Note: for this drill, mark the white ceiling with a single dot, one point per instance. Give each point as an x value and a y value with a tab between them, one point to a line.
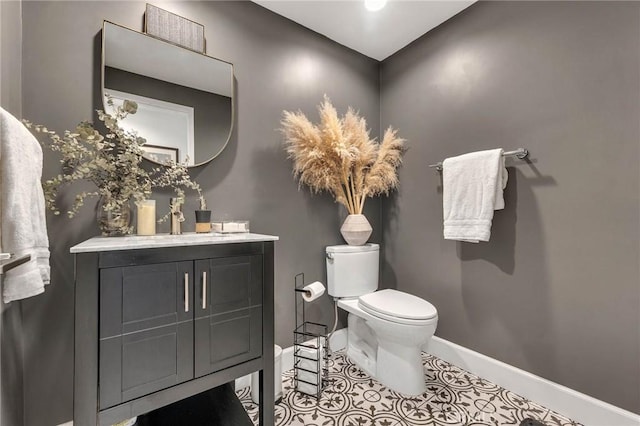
374	34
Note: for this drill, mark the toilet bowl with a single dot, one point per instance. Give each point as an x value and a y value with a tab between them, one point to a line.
386	328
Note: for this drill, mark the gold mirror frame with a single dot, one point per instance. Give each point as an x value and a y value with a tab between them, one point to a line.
175	57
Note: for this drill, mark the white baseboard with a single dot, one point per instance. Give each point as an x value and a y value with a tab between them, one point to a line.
578	406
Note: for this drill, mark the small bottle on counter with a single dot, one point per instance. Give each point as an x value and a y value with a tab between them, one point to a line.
177	217
203	221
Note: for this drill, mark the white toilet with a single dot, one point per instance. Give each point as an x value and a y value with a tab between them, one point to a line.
387	328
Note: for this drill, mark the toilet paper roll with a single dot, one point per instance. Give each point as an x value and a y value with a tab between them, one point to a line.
307	388
312	291
309	377
308	357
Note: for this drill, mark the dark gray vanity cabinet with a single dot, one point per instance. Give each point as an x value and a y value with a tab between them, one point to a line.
146	329
228	312
154	325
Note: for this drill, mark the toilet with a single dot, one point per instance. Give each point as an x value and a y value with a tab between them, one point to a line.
386	328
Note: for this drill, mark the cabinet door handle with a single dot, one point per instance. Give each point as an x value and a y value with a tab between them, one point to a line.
186	292
204	289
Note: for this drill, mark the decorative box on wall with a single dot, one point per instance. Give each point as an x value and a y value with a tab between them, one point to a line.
174	28
162	318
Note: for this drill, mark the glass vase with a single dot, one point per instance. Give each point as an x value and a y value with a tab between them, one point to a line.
113	222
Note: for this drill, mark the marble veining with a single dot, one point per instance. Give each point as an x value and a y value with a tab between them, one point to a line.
136	242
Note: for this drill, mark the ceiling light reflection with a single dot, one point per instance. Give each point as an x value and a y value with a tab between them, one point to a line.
374	5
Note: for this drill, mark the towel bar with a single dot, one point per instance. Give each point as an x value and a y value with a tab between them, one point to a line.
520	153
9	264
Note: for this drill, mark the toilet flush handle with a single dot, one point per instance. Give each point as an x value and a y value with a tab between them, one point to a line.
329	255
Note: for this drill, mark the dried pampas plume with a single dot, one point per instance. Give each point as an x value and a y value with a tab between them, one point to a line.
338	155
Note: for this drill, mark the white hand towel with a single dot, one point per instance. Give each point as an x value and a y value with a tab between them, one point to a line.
22	210
472	188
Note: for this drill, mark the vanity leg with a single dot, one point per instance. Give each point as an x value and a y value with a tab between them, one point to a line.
85	378
266	377
266	398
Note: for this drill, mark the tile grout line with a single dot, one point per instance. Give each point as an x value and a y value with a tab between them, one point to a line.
517	410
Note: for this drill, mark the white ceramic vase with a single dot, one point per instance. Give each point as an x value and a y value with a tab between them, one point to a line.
356	229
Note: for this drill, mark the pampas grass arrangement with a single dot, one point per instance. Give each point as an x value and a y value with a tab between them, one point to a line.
338	156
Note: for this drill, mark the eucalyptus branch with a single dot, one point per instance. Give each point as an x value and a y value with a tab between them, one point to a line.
112	162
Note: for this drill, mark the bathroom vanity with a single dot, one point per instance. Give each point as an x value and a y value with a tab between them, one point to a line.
165	317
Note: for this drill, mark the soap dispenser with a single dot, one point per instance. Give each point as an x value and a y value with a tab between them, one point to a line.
177	217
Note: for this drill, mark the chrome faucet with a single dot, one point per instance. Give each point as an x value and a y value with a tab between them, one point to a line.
177	217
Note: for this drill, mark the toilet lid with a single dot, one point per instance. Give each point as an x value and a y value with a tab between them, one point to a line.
397	304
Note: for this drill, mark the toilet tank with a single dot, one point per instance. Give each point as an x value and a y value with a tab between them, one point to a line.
352	270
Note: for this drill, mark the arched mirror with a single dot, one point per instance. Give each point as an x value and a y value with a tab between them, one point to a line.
185	98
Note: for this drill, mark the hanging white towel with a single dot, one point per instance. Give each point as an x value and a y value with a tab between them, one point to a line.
22	210
472	188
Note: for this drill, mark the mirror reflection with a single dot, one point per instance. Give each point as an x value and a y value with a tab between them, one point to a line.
185	98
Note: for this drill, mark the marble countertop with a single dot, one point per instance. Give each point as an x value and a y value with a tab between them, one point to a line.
135	242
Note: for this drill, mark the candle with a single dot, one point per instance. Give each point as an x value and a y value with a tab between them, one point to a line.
147	217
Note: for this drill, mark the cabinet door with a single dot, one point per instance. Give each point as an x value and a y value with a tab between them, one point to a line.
146	329
228	324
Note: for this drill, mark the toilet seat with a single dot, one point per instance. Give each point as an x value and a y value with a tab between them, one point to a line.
399	307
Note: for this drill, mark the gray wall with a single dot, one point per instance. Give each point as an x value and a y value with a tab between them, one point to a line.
278	65
11	389
10	66
555	291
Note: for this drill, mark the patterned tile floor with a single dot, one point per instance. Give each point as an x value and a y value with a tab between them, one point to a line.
453	397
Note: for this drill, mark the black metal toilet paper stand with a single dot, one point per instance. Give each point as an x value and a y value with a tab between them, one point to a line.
310	350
